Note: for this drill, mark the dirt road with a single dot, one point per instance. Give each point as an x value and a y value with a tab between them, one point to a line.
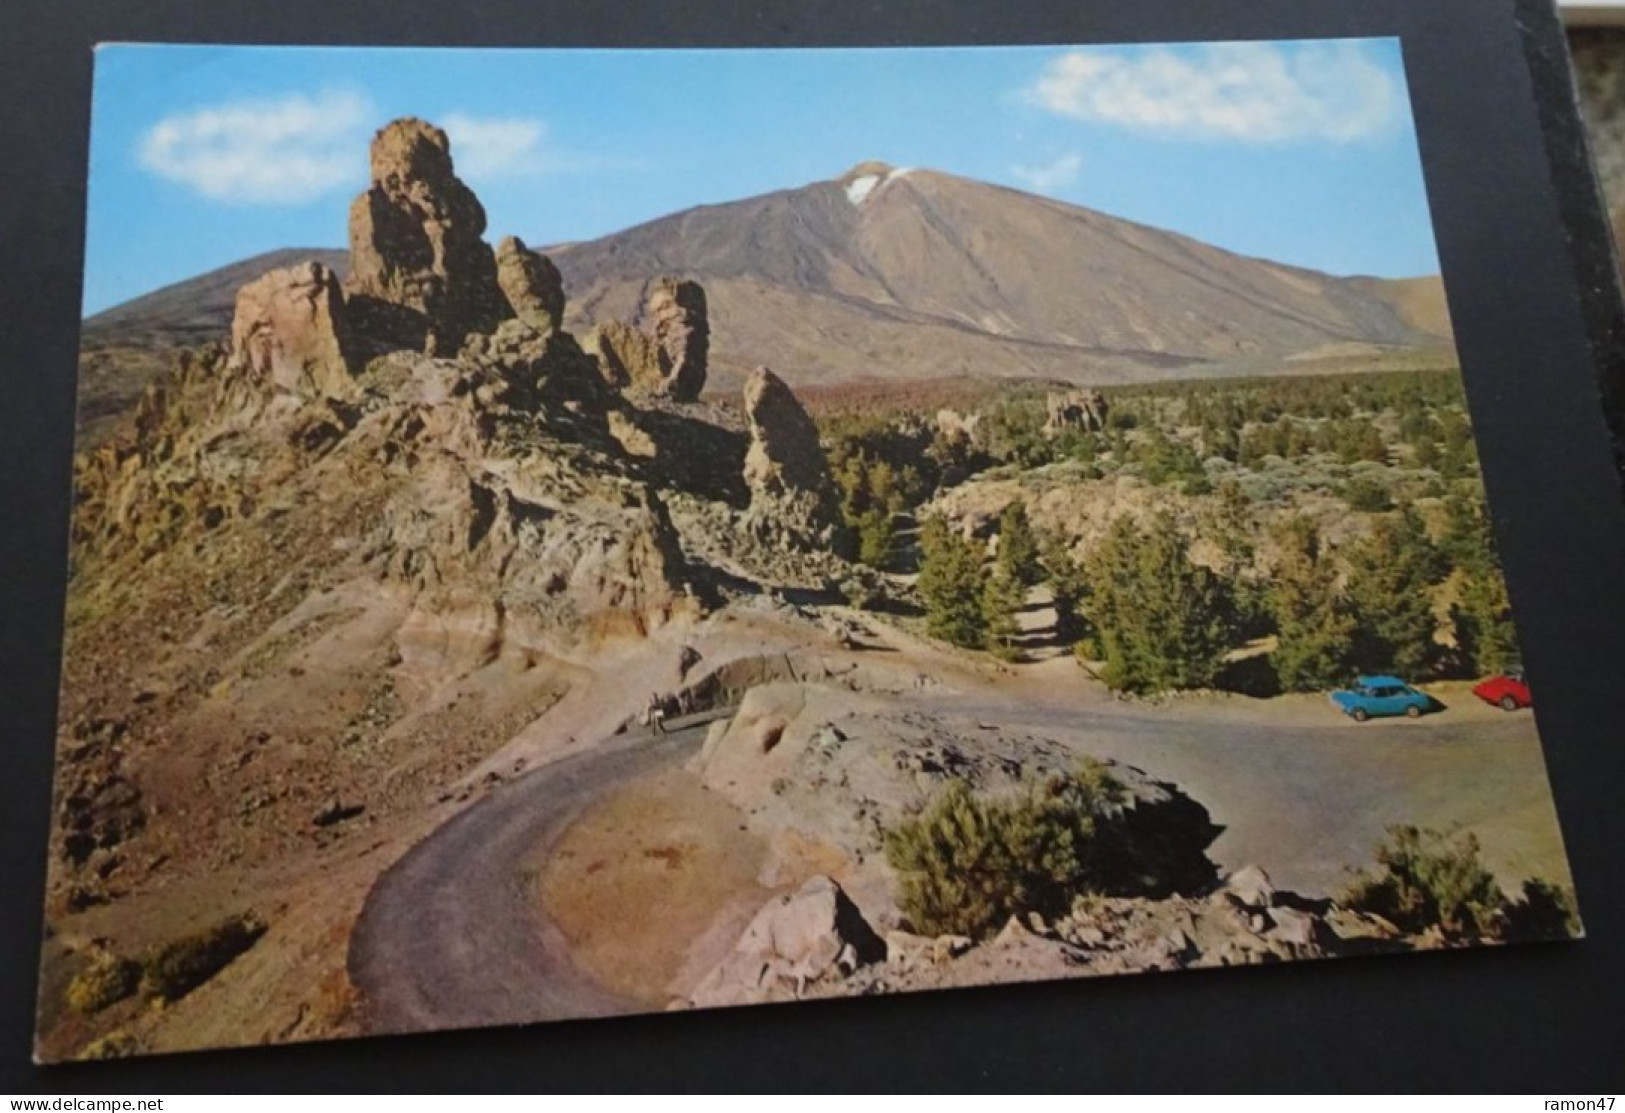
451	935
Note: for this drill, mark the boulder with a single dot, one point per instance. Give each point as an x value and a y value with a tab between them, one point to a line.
1249	887
682	335
290	330
531	283
792	495
813	935
416	243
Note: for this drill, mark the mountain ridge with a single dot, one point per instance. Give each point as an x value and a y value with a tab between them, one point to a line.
916	274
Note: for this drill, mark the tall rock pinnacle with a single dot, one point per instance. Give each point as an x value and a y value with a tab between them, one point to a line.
417	257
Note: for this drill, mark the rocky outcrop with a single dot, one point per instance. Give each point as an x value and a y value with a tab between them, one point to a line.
531	283
1083	410
291	331
799	941
792	497
682	334
419	267
543	370
627	359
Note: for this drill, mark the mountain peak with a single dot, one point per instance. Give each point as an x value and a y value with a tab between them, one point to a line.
867	176
868	168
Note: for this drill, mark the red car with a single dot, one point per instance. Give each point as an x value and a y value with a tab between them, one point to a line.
1509	691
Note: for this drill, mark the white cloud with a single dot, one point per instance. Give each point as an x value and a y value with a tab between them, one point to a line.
486	148
1246	92
294	149
282	151
1051	176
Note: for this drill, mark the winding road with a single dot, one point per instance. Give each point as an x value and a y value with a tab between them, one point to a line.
452	936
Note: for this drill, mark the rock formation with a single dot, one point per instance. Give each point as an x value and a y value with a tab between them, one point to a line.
531	283
797	940
291	330
792	496
627	359
418	265
1084	410
548	366
682	334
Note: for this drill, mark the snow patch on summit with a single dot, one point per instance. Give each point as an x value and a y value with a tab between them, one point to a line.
860	187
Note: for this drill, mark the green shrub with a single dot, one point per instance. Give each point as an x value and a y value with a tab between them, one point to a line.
1546	911
180	966
1367	495
115	1045
1425	880
968	863
107	979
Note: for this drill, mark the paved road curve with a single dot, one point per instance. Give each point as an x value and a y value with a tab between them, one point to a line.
451	936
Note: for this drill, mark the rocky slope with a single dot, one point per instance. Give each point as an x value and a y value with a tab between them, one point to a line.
332	562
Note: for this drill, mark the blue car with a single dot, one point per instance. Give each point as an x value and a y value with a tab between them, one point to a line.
1371	696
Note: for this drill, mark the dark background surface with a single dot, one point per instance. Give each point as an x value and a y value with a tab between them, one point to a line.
1535	304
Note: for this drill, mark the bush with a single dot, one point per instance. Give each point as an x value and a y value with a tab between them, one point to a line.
1429	880
1546	911
1367	495
182	965
107	979
967	864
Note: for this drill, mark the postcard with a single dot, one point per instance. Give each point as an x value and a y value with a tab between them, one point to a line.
566	533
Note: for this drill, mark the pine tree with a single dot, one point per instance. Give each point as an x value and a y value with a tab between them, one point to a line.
1483	620
1392	574
876	538
1067	589
1003	595
1164	622
951	584
1482	615
1315	626
1018	547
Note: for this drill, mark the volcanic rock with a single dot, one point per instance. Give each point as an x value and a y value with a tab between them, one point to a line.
682	336
290	330
791	493
813	935
531	283
627	359
415	242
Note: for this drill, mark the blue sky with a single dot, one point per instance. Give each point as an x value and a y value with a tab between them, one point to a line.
1304	152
